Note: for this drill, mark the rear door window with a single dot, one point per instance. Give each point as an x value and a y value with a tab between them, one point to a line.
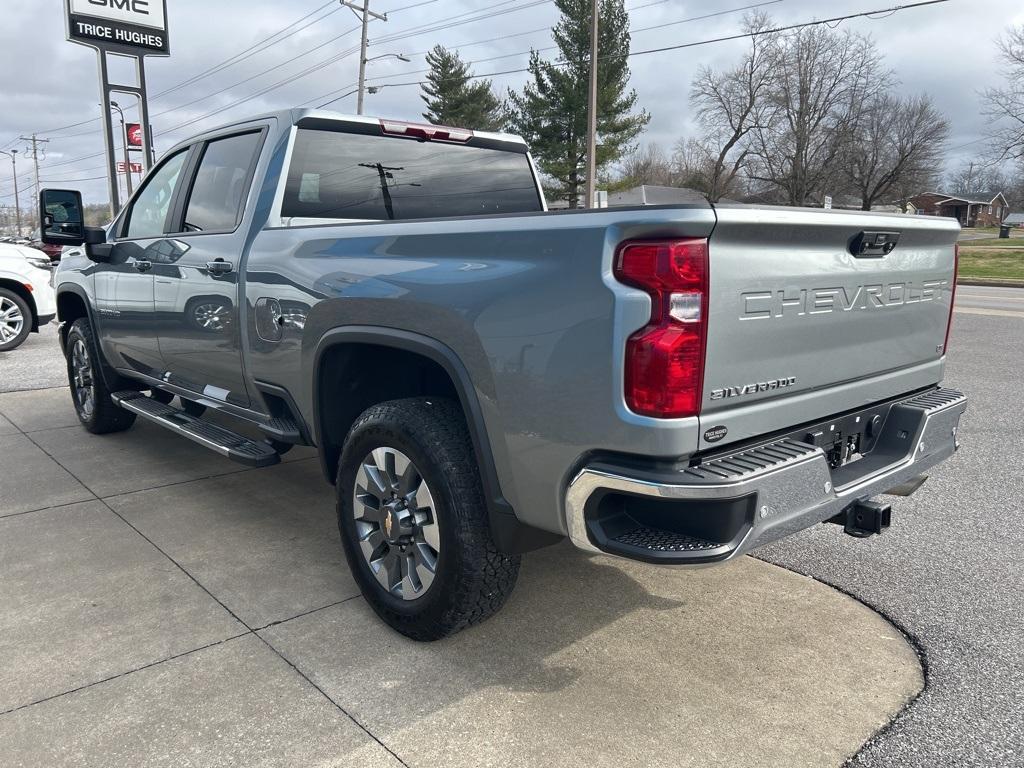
218	193
337	175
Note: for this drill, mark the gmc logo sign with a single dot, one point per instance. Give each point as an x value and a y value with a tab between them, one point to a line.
142	13
133	6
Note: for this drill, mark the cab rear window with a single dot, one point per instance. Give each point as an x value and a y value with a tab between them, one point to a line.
337	175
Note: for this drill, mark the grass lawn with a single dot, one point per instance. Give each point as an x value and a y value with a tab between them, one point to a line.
980	231
992	263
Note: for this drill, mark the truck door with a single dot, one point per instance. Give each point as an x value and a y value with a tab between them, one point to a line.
197	294
124	284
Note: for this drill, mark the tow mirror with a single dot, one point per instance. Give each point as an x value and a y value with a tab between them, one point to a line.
62	218
63	223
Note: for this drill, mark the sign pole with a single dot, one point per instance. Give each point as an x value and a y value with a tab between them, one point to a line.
108	137
148	154
132	30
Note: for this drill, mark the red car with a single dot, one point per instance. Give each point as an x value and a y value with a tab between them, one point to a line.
53	251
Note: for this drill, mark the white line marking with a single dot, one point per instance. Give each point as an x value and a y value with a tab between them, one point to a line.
990	297
992	312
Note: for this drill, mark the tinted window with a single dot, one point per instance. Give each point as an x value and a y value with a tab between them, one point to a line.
149	211
337	175
217	195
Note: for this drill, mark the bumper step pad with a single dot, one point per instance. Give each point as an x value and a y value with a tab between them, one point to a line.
664	541
234	446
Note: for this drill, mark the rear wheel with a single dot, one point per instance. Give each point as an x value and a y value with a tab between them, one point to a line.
414	523
15	320
93	404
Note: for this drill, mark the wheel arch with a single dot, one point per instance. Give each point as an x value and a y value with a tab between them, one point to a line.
336	347
73	304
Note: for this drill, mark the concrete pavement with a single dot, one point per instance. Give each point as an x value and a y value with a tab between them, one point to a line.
162	606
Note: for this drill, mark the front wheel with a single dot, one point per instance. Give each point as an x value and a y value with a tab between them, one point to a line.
414	523
96	410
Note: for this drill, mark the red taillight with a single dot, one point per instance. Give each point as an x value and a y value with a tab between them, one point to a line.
952	296
665	358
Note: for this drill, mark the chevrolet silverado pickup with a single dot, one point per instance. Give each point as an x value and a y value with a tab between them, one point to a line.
482	377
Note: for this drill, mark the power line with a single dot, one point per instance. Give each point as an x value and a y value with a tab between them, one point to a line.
631	32
738	36
518	70
261	92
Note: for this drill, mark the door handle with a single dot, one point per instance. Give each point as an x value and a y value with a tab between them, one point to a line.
143	266
219	267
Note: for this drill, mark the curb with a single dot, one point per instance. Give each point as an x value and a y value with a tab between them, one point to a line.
993	282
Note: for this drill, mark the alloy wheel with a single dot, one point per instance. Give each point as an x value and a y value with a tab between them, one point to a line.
82	378
12	321
396	523
211	316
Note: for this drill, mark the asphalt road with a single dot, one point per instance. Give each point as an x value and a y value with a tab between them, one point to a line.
950	571
986	300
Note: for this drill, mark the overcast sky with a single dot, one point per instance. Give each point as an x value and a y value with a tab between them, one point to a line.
944	50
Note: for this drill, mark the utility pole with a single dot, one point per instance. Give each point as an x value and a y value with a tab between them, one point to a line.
385	173
14	172
36	141
592	112
362	11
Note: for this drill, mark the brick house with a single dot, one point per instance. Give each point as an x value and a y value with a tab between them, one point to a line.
975	209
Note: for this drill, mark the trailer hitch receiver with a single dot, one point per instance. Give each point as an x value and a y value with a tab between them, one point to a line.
864	518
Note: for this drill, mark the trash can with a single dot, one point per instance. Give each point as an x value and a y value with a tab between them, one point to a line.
1004	231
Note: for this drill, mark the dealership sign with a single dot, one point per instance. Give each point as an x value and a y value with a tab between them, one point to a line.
136	27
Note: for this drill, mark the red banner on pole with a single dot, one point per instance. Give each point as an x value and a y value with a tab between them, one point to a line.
133	133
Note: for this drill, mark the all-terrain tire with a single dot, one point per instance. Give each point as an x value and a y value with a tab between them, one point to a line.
89	393
473	578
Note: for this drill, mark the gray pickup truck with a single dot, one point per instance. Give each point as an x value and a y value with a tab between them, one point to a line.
481	377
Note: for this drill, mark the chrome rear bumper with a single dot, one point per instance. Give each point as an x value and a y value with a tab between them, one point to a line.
784	485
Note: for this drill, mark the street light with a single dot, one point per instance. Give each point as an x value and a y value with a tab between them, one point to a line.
370	89
124	139
14	171
399	56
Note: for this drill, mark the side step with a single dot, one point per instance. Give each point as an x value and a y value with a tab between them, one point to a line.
252	453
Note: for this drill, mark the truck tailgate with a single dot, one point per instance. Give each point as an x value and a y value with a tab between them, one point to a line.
799	327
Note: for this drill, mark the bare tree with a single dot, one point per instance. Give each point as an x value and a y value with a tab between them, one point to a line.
730	105
976	177
820	84
1005	106
646	165
894	147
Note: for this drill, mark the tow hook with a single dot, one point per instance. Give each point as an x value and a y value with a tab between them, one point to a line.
864	518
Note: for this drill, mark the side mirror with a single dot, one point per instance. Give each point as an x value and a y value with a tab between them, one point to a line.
63	223
62	220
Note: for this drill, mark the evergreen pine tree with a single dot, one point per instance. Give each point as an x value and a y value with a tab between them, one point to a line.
551	111
452	98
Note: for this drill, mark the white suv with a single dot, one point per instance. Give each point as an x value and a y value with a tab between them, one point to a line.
27	301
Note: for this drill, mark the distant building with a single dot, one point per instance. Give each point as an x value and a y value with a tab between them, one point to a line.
1015	220
975	209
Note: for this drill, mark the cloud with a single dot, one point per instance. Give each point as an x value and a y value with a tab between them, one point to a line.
51	83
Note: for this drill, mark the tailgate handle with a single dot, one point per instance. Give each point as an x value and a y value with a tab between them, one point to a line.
873	245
